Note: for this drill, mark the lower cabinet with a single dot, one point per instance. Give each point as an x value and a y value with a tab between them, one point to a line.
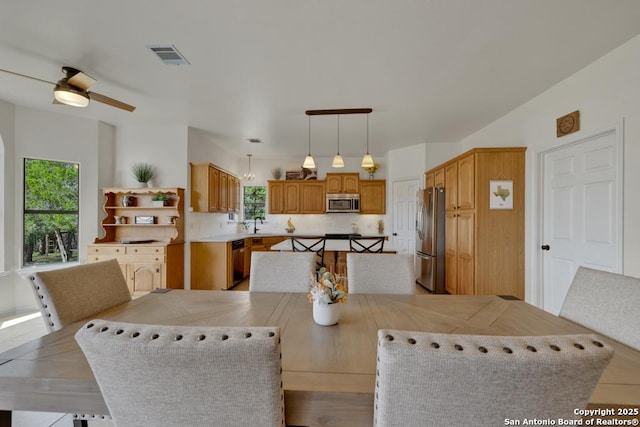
145	266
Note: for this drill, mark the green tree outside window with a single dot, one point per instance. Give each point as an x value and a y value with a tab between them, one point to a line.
51	211
254	202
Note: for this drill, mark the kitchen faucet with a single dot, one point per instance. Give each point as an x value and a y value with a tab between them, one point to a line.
255	224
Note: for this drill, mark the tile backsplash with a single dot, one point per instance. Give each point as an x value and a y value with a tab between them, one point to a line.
202	225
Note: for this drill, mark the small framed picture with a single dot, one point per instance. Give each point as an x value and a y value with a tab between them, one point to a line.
145	220
500	194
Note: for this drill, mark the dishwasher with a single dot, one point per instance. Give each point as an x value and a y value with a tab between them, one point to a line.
237	254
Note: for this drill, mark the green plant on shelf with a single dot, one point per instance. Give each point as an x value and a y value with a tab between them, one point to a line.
160	197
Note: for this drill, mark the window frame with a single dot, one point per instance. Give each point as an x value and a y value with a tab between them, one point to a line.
25	212
244	204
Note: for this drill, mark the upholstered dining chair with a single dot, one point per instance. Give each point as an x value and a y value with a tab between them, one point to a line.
606	303
366	244
380	273
152	375
314	244
429	379
68	295
281	271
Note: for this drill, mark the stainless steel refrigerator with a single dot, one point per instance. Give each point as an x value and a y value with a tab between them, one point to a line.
430	218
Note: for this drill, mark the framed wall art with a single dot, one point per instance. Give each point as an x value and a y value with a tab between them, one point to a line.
500	194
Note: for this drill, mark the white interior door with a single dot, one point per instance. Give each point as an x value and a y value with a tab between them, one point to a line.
404	204
581	212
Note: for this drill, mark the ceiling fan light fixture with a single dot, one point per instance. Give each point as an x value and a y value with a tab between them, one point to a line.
65	94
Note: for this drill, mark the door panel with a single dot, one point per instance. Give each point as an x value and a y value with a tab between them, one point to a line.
404	215
581	213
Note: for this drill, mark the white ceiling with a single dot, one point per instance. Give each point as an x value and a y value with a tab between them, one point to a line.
432	70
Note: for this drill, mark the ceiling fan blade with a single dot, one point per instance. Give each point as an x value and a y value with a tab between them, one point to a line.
24	75
110	101
81	80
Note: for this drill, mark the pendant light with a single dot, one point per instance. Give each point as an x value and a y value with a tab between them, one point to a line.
308	161
248	176
337	159
367	160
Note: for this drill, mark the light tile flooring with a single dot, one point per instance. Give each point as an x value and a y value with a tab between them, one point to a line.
22	328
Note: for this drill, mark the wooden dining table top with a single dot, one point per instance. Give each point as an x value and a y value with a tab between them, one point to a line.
328	371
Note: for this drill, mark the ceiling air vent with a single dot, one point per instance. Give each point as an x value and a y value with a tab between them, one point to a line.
168	54
255	140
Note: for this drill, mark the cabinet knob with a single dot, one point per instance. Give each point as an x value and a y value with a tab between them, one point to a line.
135	250
117	250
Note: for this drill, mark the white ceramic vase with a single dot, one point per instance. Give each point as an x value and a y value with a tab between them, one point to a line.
326	314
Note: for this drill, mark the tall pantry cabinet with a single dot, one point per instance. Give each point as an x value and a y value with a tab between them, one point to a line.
484	244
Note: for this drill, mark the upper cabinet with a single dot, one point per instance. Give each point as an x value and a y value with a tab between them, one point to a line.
373	196
343	183
213	189
296	197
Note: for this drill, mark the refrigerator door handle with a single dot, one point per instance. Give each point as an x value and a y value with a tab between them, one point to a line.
419	221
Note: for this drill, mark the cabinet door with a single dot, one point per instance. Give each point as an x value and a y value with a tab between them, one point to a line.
451	252
429	180
232	193
223	204
214	189
312	198
438	178
466	178
291	197
372	196
276	197
334	183
451	184
144	277
466	253
351	183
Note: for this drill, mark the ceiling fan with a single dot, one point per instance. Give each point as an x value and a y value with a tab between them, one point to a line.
73	89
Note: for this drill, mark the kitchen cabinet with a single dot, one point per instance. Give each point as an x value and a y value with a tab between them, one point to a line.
213	189
264	243
312	197
435	178
211	265
373	196
296	197
343	182
484	248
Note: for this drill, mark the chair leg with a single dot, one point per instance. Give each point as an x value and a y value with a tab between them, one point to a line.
80	423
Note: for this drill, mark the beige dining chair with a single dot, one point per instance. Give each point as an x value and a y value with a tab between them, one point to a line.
380	273
429	379
158	375
606	303
281	271
67	295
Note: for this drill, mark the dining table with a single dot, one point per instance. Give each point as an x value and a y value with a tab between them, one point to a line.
328	371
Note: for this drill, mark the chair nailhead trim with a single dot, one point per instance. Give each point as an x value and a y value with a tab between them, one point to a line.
554	347
531	349
578	346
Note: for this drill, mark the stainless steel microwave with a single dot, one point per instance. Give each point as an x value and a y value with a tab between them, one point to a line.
343	203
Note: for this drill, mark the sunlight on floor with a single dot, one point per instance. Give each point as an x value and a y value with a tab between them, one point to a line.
18	320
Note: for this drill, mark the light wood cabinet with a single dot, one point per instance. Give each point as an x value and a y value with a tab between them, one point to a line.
438	178
154	255
312	197
429	179
373	196
296	197
213	189
343	182
484	248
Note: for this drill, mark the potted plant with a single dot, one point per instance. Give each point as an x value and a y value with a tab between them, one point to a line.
143	172
159	199
325	294
276	173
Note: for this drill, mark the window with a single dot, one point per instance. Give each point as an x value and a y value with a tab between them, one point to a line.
254	202
51	205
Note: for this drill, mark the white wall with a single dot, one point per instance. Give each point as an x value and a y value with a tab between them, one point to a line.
605	92
7	264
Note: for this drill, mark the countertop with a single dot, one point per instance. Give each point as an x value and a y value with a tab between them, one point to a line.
223	238
339	245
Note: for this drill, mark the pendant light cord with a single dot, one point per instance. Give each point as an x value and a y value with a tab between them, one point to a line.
338	133
367	133
309	136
